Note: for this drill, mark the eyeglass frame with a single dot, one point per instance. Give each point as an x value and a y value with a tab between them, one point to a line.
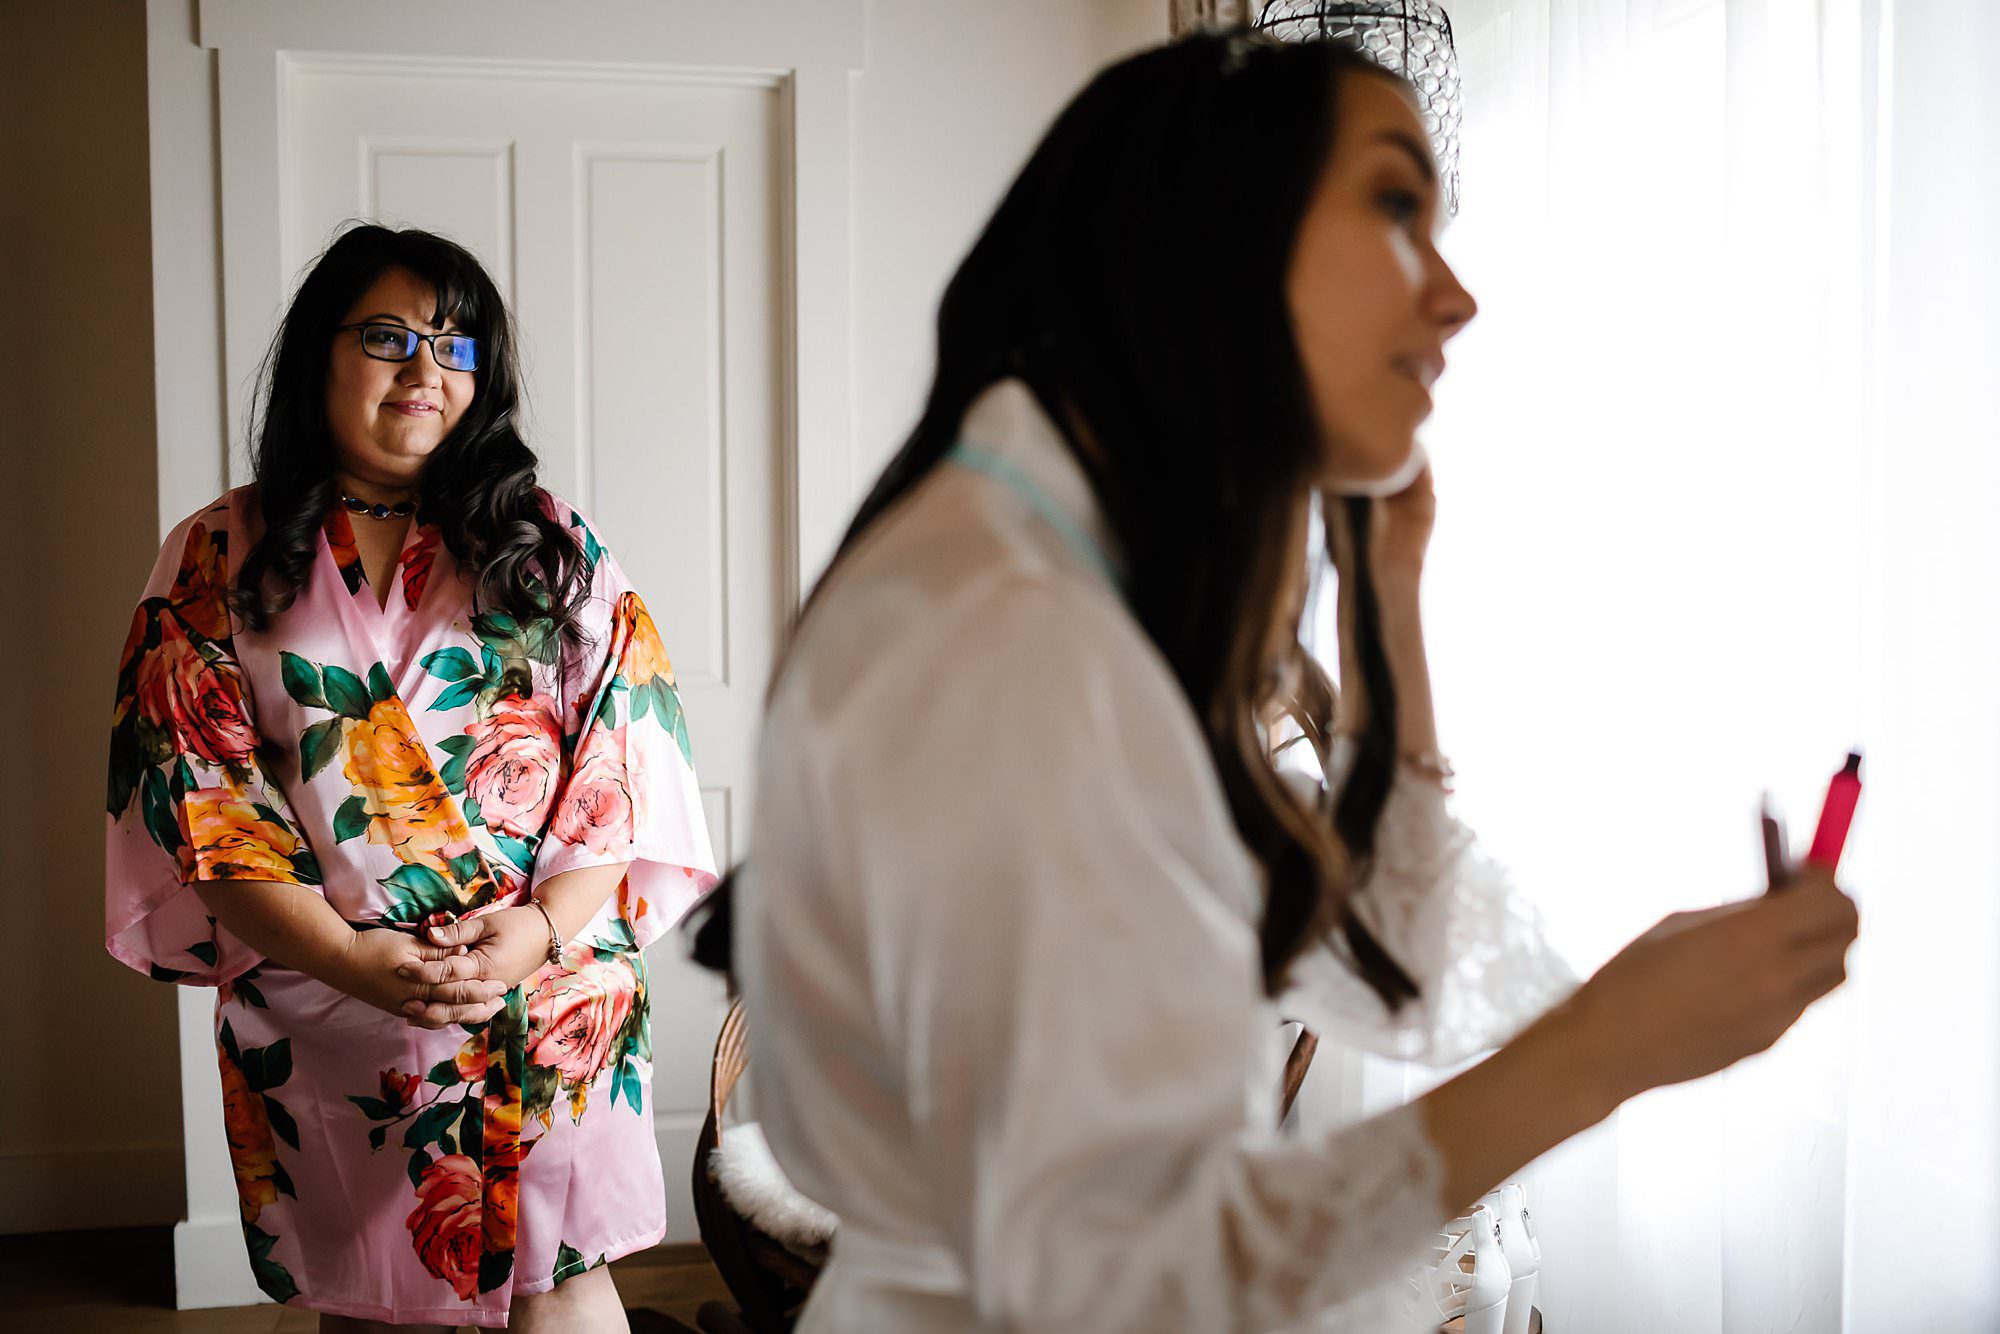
421	338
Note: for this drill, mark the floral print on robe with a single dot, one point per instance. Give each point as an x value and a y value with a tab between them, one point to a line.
411	761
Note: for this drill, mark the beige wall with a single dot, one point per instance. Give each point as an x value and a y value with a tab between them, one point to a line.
954	95
90	1127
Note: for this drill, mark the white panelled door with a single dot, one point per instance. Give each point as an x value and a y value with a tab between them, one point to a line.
632	225
660	189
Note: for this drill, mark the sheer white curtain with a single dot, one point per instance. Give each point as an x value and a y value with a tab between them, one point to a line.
1719	497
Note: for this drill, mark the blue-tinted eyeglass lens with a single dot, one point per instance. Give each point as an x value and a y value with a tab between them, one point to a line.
457	352
388	342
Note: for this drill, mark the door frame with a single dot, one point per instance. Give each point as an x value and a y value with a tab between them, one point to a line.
218	72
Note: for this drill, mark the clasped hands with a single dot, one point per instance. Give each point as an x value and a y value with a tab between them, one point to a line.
452	973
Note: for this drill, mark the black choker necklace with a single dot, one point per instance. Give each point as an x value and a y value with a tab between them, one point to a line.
401	510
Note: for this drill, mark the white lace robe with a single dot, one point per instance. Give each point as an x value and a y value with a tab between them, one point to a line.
998	946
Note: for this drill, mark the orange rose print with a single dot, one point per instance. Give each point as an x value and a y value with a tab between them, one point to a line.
645	656
445	1225
198	702
201	589
252	1151
232	841
471	1059
410	809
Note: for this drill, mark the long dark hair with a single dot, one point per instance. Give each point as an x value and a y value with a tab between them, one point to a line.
479	488
1134	277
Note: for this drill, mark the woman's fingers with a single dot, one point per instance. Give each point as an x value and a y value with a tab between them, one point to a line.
457	933
441	1015
452	967
472	991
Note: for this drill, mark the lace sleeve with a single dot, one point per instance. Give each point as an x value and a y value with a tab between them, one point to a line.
1454	919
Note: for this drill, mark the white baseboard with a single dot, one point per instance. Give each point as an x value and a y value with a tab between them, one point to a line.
63	1190
211	1267
677	1133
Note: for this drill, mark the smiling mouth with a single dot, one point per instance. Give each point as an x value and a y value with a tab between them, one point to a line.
413	408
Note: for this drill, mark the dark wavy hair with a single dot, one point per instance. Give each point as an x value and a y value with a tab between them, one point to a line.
1134	277
478	488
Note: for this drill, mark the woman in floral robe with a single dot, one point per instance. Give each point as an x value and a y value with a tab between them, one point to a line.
368	806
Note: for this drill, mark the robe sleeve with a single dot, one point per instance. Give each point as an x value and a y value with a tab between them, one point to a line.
1451	916
629	792
188	798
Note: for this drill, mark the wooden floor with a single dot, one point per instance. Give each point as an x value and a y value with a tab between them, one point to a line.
123	1283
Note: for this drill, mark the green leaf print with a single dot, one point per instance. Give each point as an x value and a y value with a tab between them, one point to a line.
351	820
495	1268
302	680
378	1136
422	887
472	1130
158	812
205	951
538	1091
272	1277
627	1078
380	687
457	696
318	745
464	867
248	991
570	1262
266	1067
277	1063
453	772
667	704
445	1073
159	974
519	855
497	625
375	1109
346	694
593	550
227	1037
281	1121
430	1125
305	866
450	664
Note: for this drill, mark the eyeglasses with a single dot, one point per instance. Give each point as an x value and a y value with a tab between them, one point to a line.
393	342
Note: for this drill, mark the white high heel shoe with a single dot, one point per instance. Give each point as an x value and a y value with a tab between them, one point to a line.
1523	1251
1467	1279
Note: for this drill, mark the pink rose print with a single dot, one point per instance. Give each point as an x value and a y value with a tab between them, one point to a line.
571	1024
596	809
515	766
445	1226
200	702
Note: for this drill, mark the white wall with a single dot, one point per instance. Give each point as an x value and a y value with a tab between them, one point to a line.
954	95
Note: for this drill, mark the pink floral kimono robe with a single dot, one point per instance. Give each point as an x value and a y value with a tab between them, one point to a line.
405	761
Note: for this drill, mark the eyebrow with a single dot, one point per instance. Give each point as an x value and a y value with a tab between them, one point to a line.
384	317
1418	152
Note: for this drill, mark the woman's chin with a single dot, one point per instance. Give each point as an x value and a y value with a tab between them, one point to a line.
1386	474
